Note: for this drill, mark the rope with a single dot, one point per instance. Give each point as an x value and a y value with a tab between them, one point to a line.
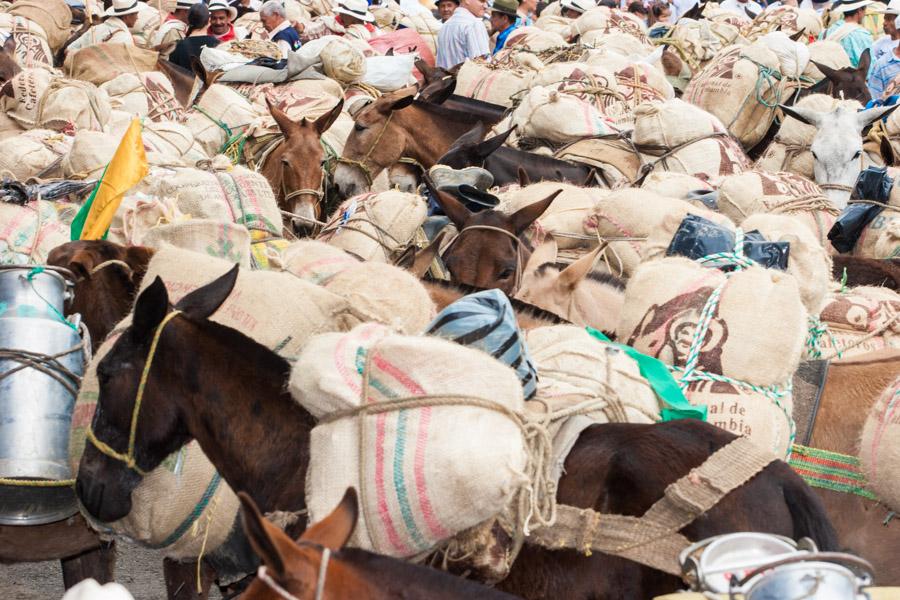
519	245
361	164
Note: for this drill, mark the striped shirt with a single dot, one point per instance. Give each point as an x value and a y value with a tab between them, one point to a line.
462	36
883	72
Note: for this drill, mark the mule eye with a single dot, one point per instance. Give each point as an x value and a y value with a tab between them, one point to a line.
507	273
358	127
814	155
857	155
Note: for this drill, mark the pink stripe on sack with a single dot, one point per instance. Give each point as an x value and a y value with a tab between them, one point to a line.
876	439
380	494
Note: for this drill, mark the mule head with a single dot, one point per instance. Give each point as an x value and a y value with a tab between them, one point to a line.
469	150
295	567
105	481
8	65
106	278
296	173
849	83
376	142
837	147
439	84
482	255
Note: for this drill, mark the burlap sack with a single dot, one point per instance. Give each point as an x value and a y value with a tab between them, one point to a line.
674	185
828	53
663	126
788	19
888	243
616	162
660	236
708	159
564	218
52	16
860	320
881	237
742	87
137	214
532	39
34	153
9	127
756	333
555	23
879	446
32	50
547	114
43	100
144	95
384	294
228	241
574	367
375	226
698	42
314	261
172	140
220	114
760	191
590	83
793	57
492	82
640	83
591	20
91	152
103	62
28	233
343	62
452	489
620	43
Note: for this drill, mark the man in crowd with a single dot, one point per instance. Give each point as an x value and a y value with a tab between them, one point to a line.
352	19
221	21
245	6
120	18
446	8
886	43
463	35
274	18
526	12
886	68
503	21
173	29
853	37
575	8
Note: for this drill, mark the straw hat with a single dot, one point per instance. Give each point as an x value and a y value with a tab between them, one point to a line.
222	5
893	8
581	6
355	8
849	7
187	4
120	8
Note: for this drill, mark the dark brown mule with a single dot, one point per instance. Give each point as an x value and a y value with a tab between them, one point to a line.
619	468
8	65
867	271
345	573
187	86
394	127
294	167
848	83
851	388
439	87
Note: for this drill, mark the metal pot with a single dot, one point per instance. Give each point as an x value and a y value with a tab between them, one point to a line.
36	408
807	581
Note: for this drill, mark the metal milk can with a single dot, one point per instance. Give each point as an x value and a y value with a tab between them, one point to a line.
41	362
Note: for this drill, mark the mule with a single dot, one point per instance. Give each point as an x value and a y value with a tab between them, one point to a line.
9	68
619	468
187	86
438	88
867	271
837	147
848	83
394	127
297	568
294	167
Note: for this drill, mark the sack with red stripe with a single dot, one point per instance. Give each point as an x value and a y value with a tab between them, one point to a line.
445	457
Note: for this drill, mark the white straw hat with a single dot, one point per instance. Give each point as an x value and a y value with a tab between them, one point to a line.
893	8
221	5
581	6
355	8
848	7
120	8
187	4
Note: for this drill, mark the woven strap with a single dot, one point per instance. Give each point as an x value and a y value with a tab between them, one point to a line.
830	470
653	539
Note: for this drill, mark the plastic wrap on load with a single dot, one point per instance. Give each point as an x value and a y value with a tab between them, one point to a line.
873	184
849	225
709	198
19	193
698	237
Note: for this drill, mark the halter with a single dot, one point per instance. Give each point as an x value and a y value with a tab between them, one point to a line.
112	263
263	575
518	244
361	164
128	457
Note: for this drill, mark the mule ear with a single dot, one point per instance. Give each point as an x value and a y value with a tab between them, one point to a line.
796	37
444	89
870	115
404	98
284	122
522	175
419	261
832	74
149	310
524	217
334	530
804	115
543	254
865	60
325	122
270	543
138	257
425	69
453	208
487	147
887	151
203	302
471	137
390	51
572	275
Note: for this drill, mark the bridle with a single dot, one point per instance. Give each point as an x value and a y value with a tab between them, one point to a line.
362	164
263	575
519	245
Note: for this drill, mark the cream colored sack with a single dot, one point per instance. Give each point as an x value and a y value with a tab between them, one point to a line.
879	446
28	233
342	61
564	218
547	114
219	108
881	237
316	262
91	152
708	159
492	83
662	126
43	100
34	153
148	95
532	39
860	320
228	241
674	185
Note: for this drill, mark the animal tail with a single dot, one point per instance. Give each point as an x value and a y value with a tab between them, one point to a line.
809	515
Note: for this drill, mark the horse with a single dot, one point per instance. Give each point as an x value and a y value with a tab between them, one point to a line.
318	564
620	468
391	128
294	166
834	424
837	146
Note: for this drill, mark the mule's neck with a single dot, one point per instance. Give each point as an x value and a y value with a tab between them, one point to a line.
247	424
425	141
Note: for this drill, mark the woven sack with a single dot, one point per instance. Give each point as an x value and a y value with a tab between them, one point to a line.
384	294
879	446
172	140
640	83
224	240
314	261
756	333
674	185
42	100
91	152
9	127
888	243
859	321
549	114
620	43
451	466
221	113
375	226
492	83
33	153
343	62
759	191
574	367
148	21
532	39
52	16
591	20
881	237
828	53
103	62
698	42
662	126
148	95
708	159
32	50
742	87
554	23
788	19
28	233
565	215
137	214
590	83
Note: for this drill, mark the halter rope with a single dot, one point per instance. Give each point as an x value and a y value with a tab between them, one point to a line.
263	575
520	263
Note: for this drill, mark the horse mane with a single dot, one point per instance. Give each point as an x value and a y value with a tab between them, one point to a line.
519	306
601	277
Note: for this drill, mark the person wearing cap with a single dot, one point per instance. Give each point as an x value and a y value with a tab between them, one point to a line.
853	37
751	8
503	21
445	9
352	19
464	35
886	43
887	66
221	21
119	19
274	18
575	8
173	29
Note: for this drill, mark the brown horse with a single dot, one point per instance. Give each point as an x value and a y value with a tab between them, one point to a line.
345	573
619	468
394	127
294	167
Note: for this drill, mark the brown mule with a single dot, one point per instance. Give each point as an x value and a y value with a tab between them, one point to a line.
9	68
613	468
319	566
294	167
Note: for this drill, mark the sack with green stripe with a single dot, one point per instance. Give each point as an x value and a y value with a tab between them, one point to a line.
879	446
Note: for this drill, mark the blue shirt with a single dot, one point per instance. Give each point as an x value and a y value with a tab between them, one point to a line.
883	72
501	37
854	43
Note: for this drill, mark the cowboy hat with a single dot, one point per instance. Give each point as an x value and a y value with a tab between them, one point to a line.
187	4
355	8
505	7
849	7
892	8
581	6
120	8
222	5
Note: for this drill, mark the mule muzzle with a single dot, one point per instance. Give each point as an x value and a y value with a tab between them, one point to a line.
104	486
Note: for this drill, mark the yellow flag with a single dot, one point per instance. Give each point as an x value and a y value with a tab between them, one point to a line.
127	167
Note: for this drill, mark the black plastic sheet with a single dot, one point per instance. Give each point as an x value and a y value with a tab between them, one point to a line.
698	237
873	184
849	225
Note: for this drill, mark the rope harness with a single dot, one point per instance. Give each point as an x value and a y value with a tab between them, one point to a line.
361	164
263	575
518	244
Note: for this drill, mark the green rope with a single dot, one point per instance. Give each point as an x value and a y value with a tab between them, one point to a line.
221	124
818	329
53	309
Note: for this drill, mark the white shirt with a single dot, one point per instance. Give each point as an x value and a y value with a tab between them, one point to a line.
882	46
749	8
462	36
112	30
